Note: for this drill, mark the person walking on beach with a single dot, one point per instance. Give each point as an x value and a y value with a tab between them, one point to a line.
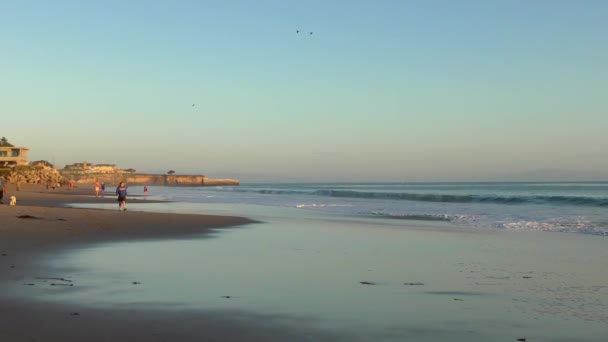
2	188
145	191
121	192
97	189
103	189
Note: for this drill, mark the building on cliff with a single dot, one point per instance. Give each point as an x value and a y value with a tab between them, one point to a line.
13	156
89	168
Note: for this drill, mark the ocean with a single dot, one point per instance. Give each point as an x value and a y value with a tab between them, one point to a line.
556	207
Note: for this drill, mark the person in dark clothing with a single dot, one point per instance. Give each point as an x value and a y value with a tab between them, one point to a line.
2	189
121	192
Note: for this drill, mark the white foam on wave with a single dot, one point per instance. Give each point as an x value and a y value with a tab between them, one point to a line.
453	218
317	205
579	225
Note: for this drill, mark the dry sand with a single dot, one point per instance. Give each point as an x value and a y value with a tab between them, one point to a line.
38	226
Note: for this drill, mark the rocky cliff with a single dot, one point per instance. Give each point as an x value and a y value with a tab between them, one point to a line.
149	179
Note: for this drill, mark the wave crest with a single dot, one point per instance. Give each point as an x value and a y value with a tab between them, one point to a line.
443	198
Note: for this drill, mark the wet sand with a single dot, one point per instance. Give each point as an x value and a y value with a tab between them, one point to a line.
38	226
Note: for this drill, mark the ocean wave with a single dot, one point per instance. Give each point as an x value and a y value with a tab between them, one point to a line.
443	198
562	225
578	226
317	205
418	217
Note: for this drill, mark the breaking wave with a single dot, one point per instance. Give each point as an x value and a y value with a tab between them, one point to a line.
443	198
417	217
573	225
578	226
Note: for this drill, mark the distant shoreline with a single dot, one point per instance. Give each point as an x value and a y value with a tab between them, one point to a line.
150	179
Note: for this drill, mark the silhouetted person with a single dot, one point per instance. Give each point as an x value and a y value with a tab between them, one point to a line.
121	191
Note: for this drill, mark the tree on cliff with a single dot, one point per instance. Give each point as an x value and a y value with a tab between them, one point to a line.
4	142
41	163
171	172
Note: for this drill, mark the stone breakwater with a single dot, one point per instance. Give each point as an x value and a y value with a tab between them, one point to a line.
150	179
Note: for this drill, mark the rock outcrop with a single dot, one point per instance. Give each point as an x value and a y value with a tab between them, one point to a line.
36	175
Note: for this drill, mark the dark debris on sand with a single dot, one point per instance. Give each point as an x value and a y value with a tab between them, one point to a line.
28	217
54	278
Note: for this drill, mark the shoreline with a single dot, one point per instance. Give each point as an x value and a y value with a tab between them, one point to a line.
47	213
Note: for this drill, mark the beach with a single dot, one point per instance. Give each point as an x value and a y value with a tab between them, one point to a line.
48	228
283	273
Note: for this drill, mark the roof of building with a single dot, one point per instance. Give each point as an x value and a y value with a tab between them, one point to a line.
15	147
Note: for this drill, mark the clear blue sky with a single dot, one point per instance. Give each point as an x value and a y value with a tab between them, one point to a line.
383	90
